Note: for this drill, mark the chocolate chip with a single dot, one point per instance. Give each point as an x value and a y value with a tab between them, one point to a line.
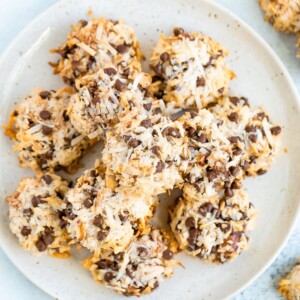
168	254
205	208
155	285
171	131
143	252
160	166
110	71
250	128
102	264
122	49
202	138
209	62
27	212
193	114
96	100
233	139
93	173
191	131
48	239
234	100
25	231
237	151
49	154
83	23
178	30
229	193
253	138
234	170
147	106
46	130
45	94
119	256
260	115
190	222
65	116
246	165
120	86
164	56
233	117
275	130
236	185
36	201
158	69
200	81
155	150
146	123
45	114
221	90
133	143
47	179
108	276
261	172
212	175
40	245
98	221
101	235
88	202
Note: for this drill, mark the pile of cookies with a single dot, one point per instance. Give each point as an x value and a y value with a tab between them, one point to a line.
284	15
177	127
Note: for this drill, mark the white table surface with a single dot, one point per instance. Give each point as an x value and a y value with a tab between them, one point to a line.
16	14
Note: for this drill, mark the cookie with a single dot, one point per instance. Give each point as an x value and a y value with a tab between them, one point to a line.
289	286
214	160
143	152
284	15
101	97
189	69
138	269
214	229
101	217
35	215
43	133
252	130
92	44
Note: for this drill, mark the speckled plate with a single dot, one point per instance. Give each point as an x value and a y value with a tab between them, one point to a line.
260	76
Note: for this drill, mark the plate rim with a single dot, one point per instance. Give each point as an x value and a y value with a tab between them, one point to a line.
274	57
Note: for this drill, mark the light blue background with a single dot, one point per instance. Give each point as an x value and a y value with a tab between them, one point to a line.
16	14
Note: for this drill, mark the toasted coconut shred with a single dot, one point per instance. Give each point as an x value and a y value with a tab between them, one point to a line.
35	215
43	134
138	269
190	69
174	128
91	45
289	286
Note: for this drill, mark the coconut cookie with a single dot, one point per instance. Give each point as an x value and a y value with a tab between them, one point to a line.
35	215
91	45
215	229
214	157
138	269
43	133
289	286
190	69
102	96
253	133
101	217
144	151
284	15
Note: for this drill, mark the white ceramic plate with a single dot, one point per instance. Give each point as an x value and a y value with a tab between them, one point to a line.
261	77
